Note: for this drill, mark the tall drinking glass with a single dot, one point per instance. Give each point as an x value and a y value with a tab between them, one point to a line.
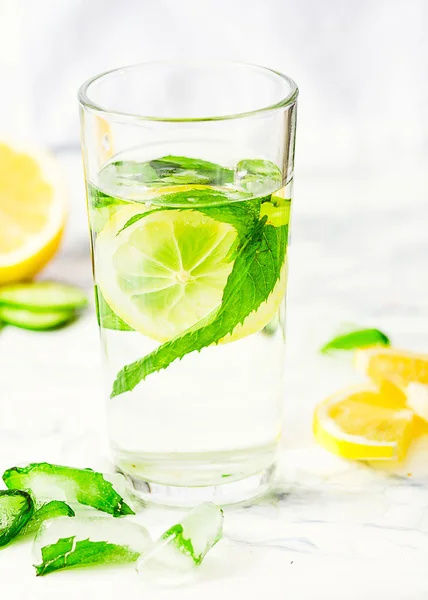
189	174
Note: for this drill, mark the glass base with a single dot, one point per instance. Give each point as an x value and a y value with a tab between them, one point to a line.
186	479
222	494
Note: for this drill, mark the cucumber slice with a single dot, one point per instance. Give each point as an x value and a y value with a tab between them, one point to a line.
43	296
50	510
16	509
37	321
84	486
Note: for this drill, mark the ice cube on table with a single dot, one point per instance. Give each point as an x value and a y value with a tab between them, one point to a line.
183	546
66	542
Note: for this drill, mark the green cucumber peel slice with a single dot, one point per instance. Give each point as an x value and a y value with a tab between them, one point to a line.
35	321
84	486
50	510
16	509
43	296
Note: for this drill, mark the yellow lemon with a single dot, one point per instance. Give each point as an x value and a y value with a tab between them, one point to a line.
361	423
32	212
396	366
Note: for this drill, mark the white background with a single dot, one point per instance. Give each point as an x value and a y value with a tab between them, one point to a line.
361	66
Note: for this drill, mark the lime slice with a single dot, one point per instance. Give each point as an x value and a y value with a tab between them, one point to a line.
260	318
166	272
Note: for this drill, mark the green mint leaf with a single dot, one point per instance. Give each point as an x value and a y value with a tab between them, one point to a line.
256	270
234	208
186	178
16	509
106	317
197	197
167	170
181	169
360	338
98	199
82	541
243	216
66	553
140	216
77	485
50	510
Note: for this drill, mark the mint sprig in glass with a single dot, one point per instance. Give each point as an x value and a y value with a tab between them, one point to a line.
189	173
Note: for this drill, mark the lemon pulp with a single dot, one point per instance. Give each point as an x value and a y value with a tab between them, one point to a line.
361	423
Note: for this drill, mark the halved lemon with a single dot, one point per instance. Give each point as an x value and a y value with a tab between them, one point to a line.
357	423
32	212
166	272
389	364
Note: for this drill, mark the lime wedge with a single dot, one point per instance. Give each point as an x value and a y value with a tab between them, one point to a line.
361	338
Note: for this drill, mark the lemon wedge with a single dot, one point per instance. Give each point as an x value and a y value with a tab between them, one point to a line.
358	423
389	364
32	212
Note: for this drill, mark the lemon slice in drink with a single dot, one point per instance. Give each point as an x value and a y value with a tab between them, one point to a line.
166	272
267	311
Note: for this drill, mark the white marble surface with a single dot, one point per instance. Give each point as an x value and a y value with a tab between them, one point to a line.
329	529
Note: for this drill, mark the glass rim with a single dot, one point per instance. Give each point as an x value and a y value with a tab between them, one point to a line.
86	102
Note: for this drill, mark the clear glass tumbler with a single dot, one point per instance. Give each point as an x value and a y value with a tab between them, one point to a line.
189	171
